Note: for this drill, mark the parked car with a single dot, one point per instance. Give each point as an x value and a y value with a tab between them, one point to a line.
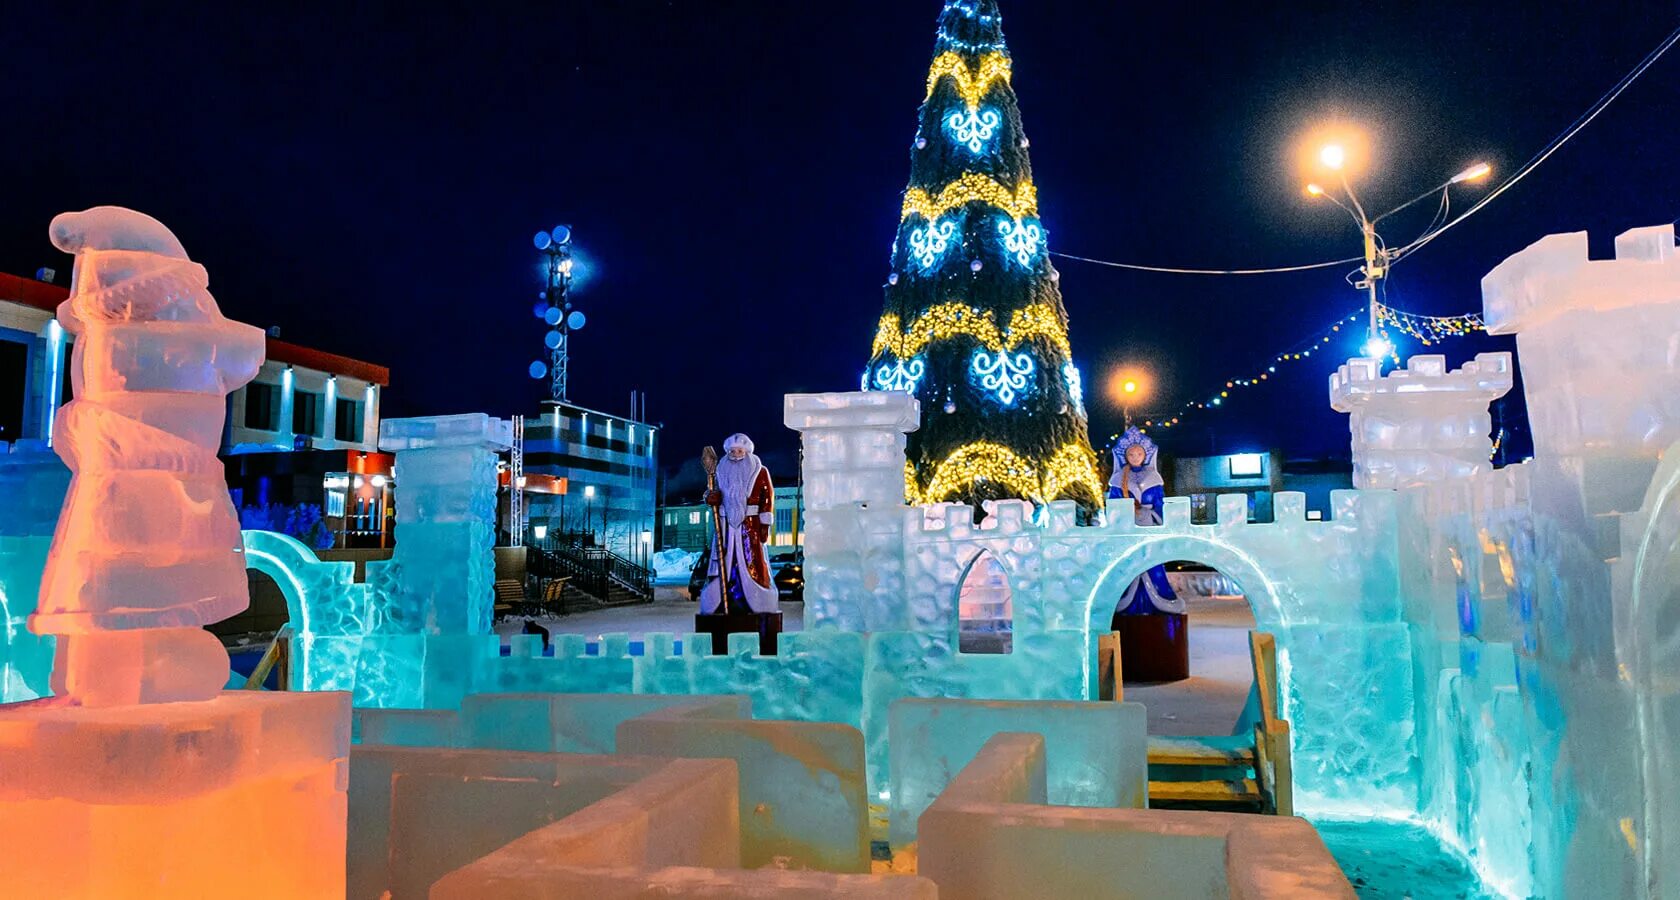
790	582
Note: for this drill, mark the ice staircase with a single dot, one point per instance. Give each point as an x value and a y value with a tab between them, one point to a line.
1247	772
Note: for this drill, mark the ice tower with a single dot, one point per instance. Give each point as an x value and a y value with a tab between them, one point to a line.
139	777
1422	423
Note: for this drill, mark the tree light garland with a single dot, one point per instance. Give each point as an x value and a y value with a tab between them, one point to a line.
1021	238
928	243
1071	466
900	376
972	84
973	129
972	187
947	320
1075	385
1004	374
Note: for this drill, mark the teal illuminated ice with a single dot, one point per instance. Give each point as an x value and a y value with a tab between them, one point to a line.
33	482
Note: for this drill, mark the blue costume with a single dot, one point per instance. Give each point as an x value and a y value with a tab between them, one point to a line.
1149	592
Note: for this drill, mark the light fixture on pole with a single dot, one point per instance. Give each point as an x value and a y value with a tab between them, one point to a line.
1334	157
1128	387
555	309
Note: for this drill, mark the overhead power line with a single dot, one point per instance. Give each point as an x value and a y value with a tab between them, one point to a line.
1556	144
1177	271
1431	233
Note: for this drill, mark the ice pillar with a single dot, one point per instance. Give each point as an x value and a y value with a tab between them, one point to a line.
140	776
446	512
854	503
1421	424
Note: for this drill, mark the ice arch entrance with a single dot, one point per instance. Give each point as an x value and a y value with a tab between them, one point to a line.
1259	589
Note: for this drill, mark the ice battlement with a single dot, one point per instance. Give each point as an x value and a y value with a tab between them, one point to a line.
1486	377
1596	340
1419	424
1553	276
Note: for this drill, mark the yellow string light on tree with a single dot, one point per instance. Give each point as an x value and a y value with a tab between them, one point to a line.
971	187
972	84
947	320
1070	466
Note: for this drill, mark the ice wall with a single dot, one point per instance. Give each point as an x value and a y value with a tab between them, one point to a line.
33	482
1543	596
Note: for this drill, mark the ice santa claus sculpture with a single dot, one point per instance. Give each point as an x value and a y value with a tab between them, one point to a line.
744	502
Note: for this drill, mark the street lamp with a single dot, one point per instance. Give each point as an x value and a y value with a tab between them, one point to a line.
1378	257
1128	387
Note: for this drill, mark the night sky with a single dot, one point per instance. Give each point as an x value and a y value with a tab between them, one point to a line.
369	179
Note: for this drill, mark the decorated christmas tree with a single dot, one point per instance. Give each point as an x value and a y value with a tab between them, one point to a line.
974	325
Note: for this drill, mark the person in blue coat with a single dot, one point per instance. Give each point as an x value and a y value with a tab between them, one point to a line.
1135	476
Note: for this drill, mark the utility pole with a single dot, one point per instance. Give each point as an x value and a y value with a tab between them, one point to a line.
1377	255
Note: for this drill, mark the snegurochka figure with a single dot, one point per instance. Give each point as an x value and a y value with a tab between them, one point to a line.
1136	476
743	501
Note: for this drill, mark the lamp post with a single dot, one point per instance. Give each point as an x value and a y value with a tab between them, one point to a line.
556	244
1378	257
1128	387
589	508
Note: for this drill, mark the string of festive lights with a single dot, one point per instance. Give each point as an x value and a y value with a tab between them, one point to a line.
1070	466
1318	342
972	84
947	320
1429	329
1498	441
1019	203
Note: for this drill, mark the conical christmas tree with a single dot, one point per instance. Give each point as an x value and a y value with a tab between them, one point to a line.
974	325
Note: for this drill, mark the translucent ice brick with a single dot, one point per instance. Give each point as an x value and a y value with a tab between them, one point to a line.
1096	753
802	783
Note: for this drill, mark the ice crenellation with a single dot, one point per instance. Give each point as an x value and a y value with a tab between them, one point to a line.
1492	651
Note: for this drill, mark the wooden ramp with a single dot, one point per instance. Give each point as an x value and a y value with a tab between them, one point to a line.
1237	773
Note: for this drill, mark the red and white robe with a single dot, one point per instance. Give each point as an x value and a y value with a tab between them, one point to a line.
748	511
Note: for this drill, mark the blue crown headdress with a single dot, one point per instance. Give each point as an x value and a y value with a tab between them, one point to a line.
1134	436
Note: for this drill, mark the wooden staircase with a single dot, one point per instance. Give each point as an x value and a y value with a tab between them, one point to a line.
1237	773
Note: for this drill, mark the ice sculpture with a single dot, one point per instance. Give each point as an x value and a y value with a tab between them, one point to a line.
1421	423
139	776
148	548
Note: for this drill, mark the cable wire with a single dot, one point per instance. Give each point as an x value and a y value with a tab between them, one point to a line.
1556	144
1176	271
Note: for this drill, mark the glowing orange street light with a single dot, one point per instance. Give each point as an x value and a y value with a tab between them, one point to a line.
1127	387
1378	257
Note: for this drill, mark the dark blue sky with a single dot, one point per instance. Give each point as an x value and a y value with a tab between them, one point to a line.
369	179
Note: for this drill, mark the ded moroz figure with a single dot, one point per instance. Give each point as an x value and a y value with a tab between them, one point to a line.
743	501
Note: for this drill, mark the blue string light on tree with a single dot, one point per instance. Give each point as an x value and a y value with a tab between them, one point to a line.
1004	374
1022	238
1075	385
973	128
900	376
928	243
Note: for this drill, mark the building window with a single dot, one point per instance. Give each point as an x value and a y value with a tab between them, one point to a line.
306	413
693	518
262	406
348	421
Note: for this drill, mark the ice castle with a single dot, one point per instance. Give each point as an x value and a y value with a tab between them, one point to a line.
1486	652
